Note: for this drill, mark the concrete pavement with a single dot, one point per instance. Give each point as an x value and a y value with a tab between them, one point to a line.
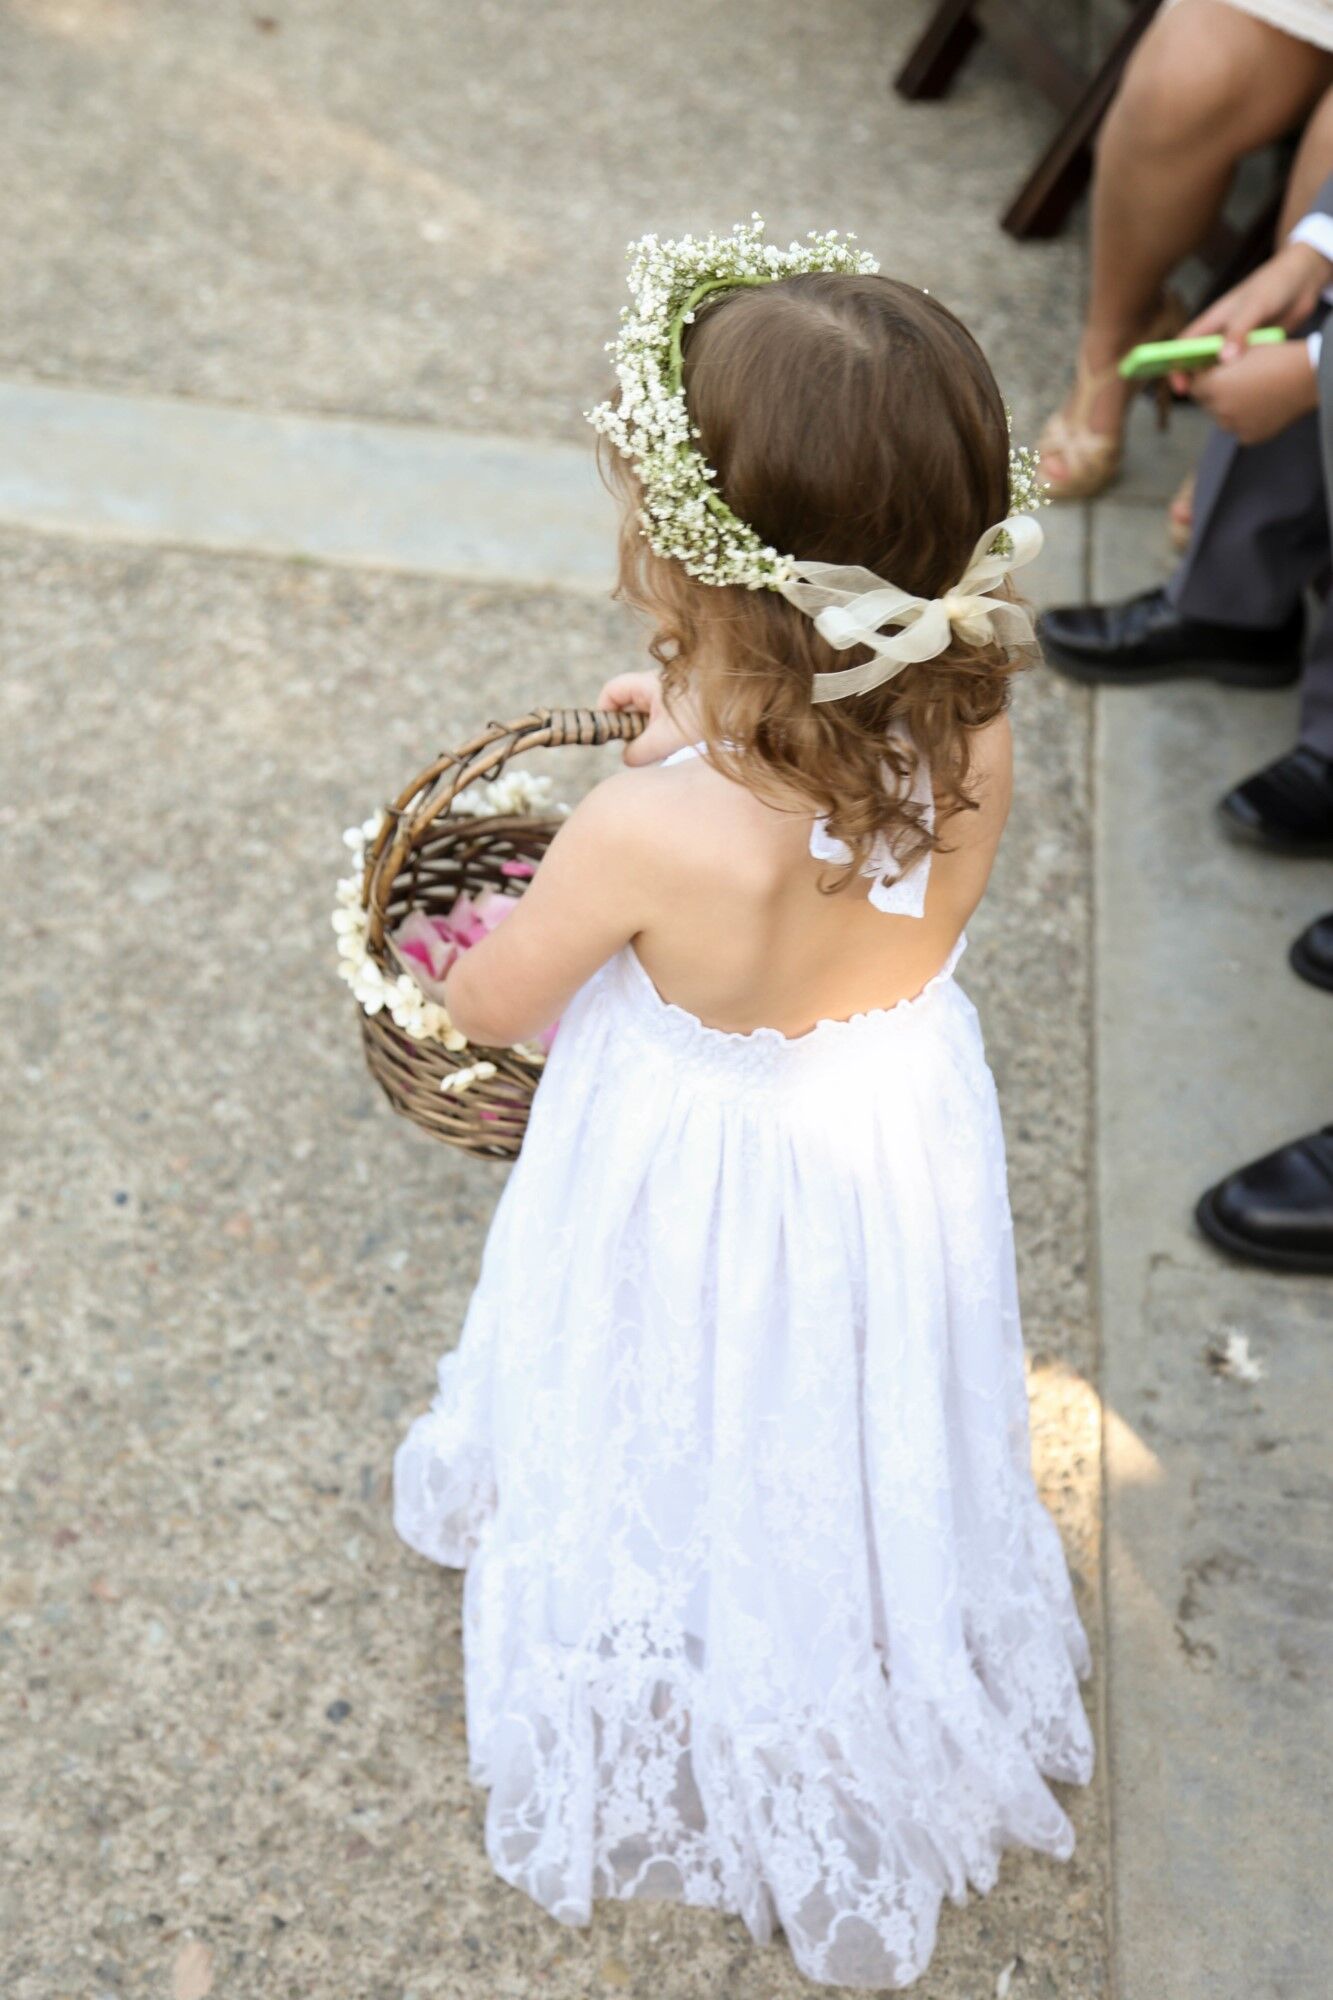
229	626
229	1271
1220	1615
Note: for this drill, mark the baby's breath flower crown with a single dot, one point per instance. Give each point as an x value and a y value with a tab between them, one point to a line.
683	515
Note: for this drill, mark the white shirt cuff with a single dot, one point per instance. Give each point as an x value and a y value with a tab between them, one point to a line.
1316	229
1314	343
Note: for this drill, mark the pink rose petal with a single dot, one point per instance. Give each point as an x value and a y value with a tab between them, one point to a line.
492	907
418	939
430	945
462	921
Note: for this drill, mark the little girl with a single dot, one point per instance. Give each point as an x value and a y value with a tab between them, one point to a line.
762	1610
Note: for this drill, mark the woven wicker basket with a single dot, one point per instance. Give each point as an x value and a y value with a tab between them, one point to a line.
424	858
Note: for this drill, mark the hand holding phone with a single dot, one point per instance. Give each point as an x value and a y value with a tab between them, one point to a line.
1168	357
1259	393
1283	292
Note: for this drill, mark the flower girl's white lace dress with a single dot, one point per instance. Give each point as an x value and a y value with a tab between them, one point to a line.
762	1610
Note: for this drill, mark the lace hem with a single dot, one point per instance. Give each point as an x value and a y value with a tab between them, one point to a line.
624	1768
614	1779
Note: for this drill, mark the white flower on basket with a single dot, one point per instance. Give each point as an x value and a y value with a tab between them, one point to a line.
511	792
358	838
459	1080
375	990
398	994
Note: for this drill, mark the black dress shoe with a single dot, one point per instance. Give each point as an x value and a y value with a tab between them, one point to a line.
1312	953
1146	639
1278	1210
1287	806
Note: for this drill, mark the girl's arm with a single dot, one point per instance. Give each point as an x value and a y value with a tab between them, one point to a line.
586	900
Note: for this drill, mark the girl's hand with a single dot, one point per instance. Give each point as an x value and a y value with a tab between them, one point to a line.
663	734
1262	392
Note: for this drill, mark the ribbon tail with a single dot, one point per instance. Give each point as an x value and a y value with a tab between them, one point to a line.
922	640
988	567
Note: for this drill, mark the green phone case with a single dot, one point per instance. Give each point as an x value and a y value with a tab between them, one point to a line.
1161	357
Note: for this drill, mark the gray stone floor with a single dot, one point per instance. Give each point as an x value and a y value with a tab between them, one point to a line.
240	1762
417	209
231	1271
1220	1625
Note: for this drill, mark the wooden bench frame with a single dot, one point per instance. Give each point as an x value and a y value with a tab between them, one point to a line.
1059	177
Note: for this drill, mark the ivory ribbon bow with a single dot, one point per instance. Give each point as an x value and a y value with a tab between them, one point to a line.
850	606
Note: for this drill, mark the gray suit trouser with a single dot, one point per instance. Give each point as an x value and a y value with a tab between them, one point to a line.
1262	538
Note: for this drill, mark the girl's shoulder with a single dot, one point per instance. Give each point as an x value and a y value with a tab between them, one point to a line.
683	815
642	803
671	827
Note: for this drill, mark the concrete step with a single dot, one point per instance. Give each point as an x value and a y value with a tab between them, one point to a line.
414	497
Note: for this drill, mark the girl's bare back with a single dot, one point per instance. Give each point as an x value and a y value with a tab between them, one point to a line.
743	932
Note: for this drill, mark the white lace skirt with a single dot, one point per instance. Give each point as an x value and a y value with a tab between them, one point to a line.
762	1611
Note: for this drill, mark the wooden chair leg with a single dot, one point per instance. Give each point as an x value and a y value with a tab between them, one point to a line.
1064	169
942	47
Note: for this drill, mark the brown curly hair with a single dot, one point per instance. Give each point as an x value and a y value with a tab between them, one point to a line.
852	420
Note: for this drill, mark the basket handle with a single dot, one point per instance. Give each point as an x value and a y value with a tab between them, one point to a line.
431	794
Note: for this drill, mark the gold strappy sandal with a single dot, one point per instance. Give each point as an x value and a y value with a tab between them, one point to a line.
1091	457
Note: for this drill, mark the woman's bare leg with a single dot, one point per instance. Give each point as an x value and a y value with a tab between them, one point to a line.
1206	85
1310	169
